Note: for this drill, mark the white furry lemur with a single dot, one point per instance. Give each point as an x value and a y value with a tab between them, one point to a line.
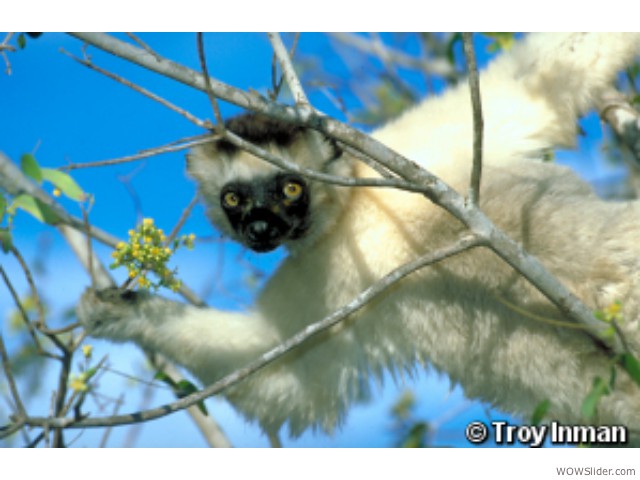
462	316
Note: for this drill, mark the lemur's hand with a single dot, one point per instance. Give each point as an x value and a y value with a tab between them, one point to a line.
102	312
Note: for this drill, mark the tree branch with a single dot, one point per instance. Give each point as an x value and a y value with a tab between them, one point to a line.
478	123
6	366
430	66
205	73
287	68
143	91
175	146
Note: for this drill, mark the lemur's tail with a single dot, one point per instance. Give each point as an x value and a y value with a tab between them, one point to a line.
531	97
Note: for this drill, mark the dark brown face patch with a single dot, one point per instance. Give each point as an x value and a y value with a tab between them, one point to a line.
260	130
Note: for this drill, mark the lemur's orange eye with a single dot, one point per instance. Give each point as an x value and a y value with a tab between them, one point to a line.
292	190
231	199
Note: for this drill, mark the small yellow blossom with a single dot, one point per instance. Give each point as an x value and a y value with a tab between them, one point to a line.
78	383
147	222
614	309
56	192
87	350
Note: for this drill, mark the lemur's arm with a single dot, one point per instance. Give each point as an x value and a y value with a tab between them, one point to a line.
208	344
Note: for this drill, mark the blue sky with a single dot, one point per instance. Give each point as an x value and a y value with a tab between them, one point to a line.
66	113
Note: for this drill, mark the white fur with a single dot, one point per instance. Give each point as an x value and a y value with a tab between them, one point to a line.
451	316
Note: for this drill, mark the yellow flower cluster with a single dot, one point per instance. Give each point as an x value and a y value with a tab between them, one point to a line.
147	251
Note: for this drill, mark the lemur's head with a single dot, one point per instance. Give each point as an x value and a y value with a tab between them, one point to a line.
260	205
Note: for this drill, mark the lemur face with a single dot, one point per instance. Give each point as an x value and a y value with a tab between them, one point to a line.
261	205
267	211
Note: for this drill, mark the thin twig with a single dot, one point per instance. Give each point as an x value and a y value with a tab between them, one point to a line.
275	82
478	122
363	299
207	81
143	91
85	217
107	431
25	316
382	52
287	69
5	43
429	66
6	366
183	218
61	394
40	323
8	430
183	144
144	45
5	47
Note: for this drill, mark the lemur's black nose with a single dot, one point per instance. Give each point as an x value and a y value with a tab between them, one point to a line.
260	230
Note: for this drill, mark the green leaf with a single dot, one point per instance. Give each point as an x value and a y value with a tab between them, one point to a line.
22	40
541	410
35	207
65	183
186	388
416	437
182	388
590	404
30	167
631	366
5	240
90	373
451	48
163	377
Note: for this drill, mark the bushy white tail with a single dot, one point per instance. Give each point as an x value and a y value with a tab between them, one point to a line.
531	97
